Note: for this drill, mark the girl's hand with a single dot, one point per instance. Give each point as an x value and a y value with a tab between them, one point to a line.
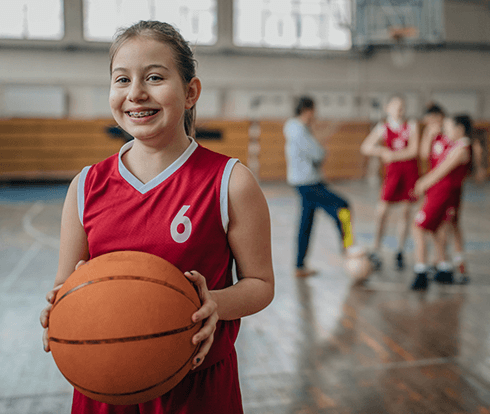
386	155
420	187
208	313
44	317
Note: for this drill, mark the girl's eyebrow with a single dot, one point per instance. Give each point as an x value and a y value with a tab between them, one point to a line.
146	68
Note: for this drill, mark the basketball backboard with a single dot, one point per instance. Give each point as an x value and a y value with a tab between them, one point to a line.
375	21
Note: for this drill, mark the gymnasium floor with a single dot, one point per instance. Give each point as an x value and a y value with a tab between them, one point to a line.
322	346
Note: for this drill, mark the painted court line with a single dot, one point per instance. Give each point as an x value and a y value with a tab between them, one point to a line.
31	253
33	232
21	265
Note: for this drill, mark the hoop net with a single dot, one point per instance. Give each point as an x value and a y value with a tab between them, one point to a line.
402	51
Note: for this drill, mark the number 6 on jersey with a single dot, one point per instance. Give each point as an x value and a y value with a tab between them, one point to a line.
181	237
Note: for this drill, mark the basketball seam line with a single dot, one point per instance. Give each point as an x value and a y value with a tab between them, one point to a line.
138	391
121	340
109	278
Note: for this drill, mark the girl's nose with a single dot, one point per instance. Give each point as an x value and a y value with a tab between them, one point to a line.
137	92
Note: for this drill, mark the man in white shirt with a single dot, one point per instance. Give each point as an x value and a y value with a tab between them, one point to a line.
304	157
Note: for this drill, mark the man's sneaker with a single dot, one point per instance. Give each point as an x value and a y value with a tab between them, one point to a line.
421	282
444	277
305	272
375	261
399	263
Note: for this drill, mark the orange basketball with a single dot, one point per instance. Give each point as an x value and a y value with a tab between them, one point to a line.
120	329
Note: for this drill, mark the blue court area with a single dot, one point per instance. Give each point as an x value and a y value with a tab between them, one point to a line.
13	193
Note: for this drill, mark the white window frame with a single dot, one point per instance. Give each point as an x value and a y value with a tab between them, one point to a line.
297	17
74	39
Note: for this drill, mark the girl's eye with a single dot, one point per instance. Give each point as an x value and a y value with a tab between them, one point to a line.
155	78
122	80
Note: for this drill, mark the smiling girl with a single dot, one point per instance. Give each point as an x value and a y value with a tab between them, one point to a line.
165	194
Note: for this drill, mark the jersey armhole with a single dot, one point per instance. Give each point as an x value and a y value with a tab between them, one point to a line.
225	181
412	125
81	192
380	129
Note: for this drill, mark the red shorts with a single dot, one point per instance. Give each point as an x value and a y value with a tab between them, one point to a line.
439	205
456	205
214	390
400	181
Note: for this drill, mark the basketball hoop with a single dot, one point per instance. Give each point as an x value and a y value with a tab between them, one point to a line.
402	51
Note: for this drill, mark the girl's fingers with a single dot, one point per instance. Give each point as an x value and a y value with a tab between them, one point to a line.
80	263
203	351
205	311
46	340
51	295
198	280
207	330
45	315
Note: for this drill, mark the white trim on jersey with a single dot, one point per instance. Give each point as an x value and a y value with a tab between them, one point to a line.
81	192
160	178
394	125
225	181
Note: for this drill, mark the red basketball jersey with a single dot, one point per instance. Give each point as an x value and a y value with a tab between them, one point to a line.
444	147
400	176
439	146
181	215
396	137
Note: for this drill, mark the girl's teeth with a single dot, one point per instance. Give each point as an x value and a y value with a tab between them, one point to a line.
142	114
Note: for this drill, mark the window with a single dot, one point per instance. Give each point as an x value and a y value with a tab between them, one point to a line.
196	19
31	19
300	24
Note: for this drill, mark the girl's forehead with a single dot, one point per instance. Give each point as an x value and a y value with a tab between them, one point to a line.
396	101
142	49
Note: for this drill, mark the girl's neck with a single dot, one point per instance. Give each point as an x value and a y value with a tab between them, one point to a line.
395	121
146	159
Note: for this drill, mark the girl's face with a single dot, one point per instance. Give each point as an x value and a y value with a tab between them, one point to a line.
451	130
396	108
148	97
434	119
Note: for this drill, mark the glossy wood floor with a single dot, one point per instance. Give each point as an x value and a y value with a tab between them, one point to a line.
321	347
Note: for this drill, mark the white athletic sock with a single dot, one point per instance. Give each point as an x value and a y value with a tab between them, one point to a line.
458	258
354	250
420	268
444	266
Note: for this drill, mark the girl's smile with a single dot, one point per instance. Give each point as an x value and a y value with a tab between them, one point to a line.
148	97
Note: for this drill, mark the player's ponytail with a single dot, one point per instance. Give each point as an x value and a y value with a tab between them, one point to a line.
464	121
184	57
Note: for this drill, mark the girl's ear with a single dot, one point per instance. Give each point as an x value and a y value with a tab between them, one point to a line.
193	92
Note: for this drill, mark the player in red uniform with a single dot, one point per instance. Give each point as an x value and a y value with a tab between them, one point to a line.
442	186
165	194
432	146
396	143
